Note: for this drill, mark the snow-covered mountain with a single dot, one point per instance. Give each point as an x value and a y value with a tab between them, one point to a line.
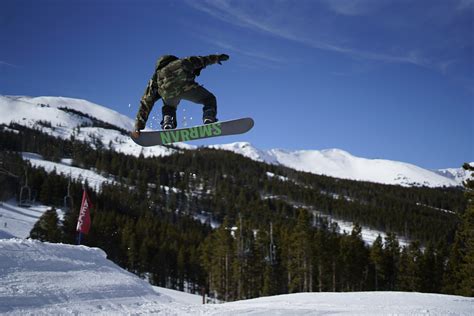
28	111
341	164
457	174
66	117
39	278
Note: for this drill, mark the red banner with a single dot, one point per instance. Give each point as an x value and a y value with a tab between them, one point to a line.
84	220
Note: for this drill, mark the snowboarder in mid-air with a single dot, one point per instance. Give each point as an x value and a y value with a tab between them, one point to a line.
173	81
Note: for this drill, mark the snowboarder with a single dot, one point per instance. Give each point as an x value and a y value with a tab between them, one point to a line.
173	81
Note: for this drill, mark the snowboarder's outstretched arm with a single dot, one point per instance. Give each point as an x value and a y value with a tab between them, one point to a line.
147	101
200	62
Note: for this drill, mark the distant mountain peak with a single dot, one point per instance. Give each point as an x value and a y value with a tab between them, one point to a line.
339	163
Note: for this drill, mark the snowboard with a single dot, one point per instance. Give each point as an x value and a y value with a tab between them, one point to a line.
166	137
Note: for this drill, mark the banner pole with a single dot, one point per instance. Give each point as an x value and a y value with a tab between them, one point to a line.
79	238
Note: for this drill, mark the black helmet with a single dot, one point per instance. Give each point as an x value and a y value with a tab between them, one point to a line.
165	60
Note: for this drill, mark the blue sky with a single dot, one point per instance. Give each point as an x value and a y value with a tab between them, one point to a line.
390	79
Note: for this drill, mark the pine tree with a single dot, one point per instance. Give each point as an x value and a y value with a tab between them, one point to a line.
354	260
271	277
467	235
222	257
299	255
206	258
46	192
377	259
130	246
391	260
452	277
47	227
254	269
181	268
404	281
247	266
333	250
409	271
428	268
459	278
69	226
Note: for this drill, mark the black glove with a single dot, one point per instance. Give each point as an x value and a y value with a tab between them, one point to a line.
135	133
197	72
222	57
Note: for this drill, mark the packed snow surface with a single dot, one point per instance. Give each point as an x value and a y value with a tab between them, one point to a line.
356	303
44	279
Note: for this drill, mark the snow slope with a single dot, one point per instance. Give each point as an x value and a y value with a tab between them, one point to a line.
22	108
368	234
355	303
94	179
16	221
44	279
33	112
178	296
341	164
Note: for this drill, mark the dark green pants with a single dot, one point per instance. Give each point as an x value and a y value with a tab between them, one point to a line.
197	95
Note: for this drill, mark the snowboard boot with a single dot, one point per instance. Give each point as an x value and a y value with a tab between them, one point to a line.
168	122
209	116
209	120
169	117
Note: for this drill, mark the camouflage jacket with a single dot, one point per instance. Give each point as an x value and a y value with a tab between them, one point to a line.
169	80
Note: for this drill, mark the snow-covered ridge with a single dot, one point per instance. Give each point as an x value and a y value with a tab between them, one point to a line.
457	174
341	164
33	112
48	109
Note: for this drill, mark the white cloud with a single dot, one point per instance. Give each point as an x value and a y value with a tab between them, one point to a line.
315	26
465	4
354	7
226	11
4	63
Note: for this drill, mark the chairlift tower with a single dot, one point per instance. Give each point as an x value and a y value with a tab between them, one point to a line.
68	197
272	250
25	193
